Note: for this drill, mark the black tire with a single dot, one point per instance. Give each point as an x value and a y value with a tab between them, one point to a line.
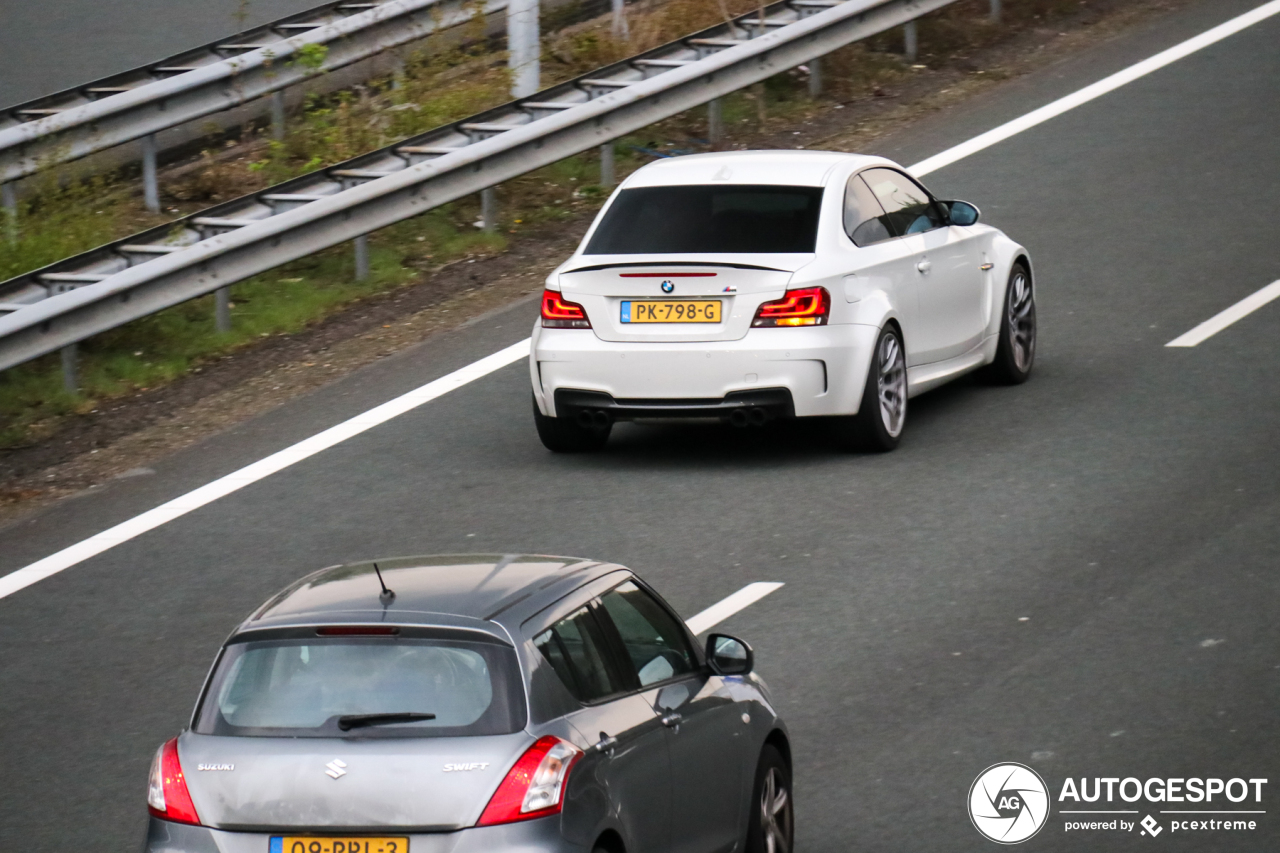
1016	350
561	435
882	415
771	816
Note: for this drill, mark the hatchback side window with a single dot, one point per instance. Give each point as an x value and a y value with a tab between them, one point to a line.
907	205
655	642
576	650
864	218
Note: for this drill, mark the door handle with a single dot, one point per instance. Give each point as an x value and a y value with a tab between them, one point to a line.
671	719
606	743
924	266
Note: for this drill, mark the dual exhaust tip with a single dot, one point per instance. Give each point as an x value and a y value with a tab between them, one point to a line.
752	416
594	419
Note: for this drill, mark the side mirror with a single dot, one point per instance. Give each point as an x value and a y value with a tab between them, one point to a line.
728	655
961	212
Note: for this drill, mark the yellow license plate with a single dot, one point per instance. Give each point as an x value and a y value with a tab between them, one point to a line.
337	844
671	311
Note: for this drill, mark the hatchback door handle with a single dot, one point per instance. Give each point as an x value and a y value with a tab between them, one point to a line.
924	266
671	719
606	743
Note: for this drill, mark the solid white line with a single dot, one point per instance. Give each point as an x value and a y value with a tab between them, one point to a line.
236	480
1221	320
717	613
68	557
1102	87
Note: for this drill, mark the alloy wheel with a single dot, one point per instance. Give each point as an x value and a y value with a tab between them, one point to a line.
775	813
892	383
1022	321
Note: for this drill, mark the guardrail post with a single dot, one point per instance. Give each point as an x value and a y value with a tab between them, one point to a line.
995	11
71	369
222	309
277	114
362	257
150	186
524	47
815	77
620	28
488	209
9	206
911	42
715	121
607	175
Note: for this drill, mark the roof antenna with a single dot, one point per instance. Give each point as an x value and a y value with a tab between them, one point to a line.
386	596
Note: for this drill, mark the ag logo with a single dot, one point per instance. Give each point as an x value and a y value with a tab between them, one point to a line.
1008	803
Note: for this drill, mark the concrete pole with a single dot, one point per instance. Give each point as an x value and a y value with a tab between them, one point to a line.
9	206
489	209
222	309
620	28
362	257
815	77
70	369
277	115
911	41
715	121
608	176
150	186
524	46
995	11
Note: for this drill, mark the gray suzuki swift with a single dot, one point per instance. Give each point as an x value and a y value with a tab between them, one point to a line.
475	703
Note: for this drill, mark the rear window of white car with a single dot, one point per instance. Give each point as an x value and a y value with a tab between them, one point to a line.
735	218
338	686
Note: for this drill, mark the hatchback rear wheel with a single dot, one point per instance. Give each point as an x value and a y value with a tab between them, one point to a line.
772	826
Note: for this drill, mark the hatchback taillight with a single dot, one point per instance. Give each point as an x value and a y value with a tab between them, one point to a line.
534	787
809	306
167	795
558	313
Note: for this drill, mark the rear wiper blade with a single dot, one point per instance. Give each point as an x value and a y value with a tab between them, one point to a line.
348	722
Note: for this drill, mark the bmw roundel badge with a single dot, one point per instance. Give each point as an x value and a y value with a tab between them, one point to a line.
667	287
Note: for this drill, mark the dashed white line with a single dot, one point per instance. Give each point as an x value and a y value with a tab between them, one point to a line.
1222	319
743	598
180	506
123	532
1102	87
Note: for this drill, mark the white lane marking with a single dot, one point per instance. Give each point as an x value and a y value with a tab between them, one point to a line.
1102	87
717	613
94	545
280	460
1221	320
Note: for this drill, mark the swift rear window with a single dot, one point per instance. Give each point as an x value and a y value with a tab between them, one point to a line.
339	686
738	219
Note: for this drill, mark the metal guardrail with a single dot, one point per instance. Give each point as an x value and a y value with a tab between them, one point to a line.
66	302
216	77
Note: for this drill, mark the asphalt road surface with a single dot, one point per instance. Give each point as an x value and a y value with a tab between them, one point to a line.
1079	573
48	47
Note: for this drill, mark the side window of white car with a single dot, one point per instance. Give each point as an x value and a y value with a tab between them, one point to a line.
864	218
907	206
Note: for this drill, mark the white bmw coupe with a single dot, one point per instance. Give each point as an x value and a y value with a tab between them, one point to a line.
756	285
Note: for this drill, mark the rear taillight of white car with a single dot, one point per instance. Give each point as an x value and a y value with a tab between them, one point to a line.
534	787
558	313
167	795
809	306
